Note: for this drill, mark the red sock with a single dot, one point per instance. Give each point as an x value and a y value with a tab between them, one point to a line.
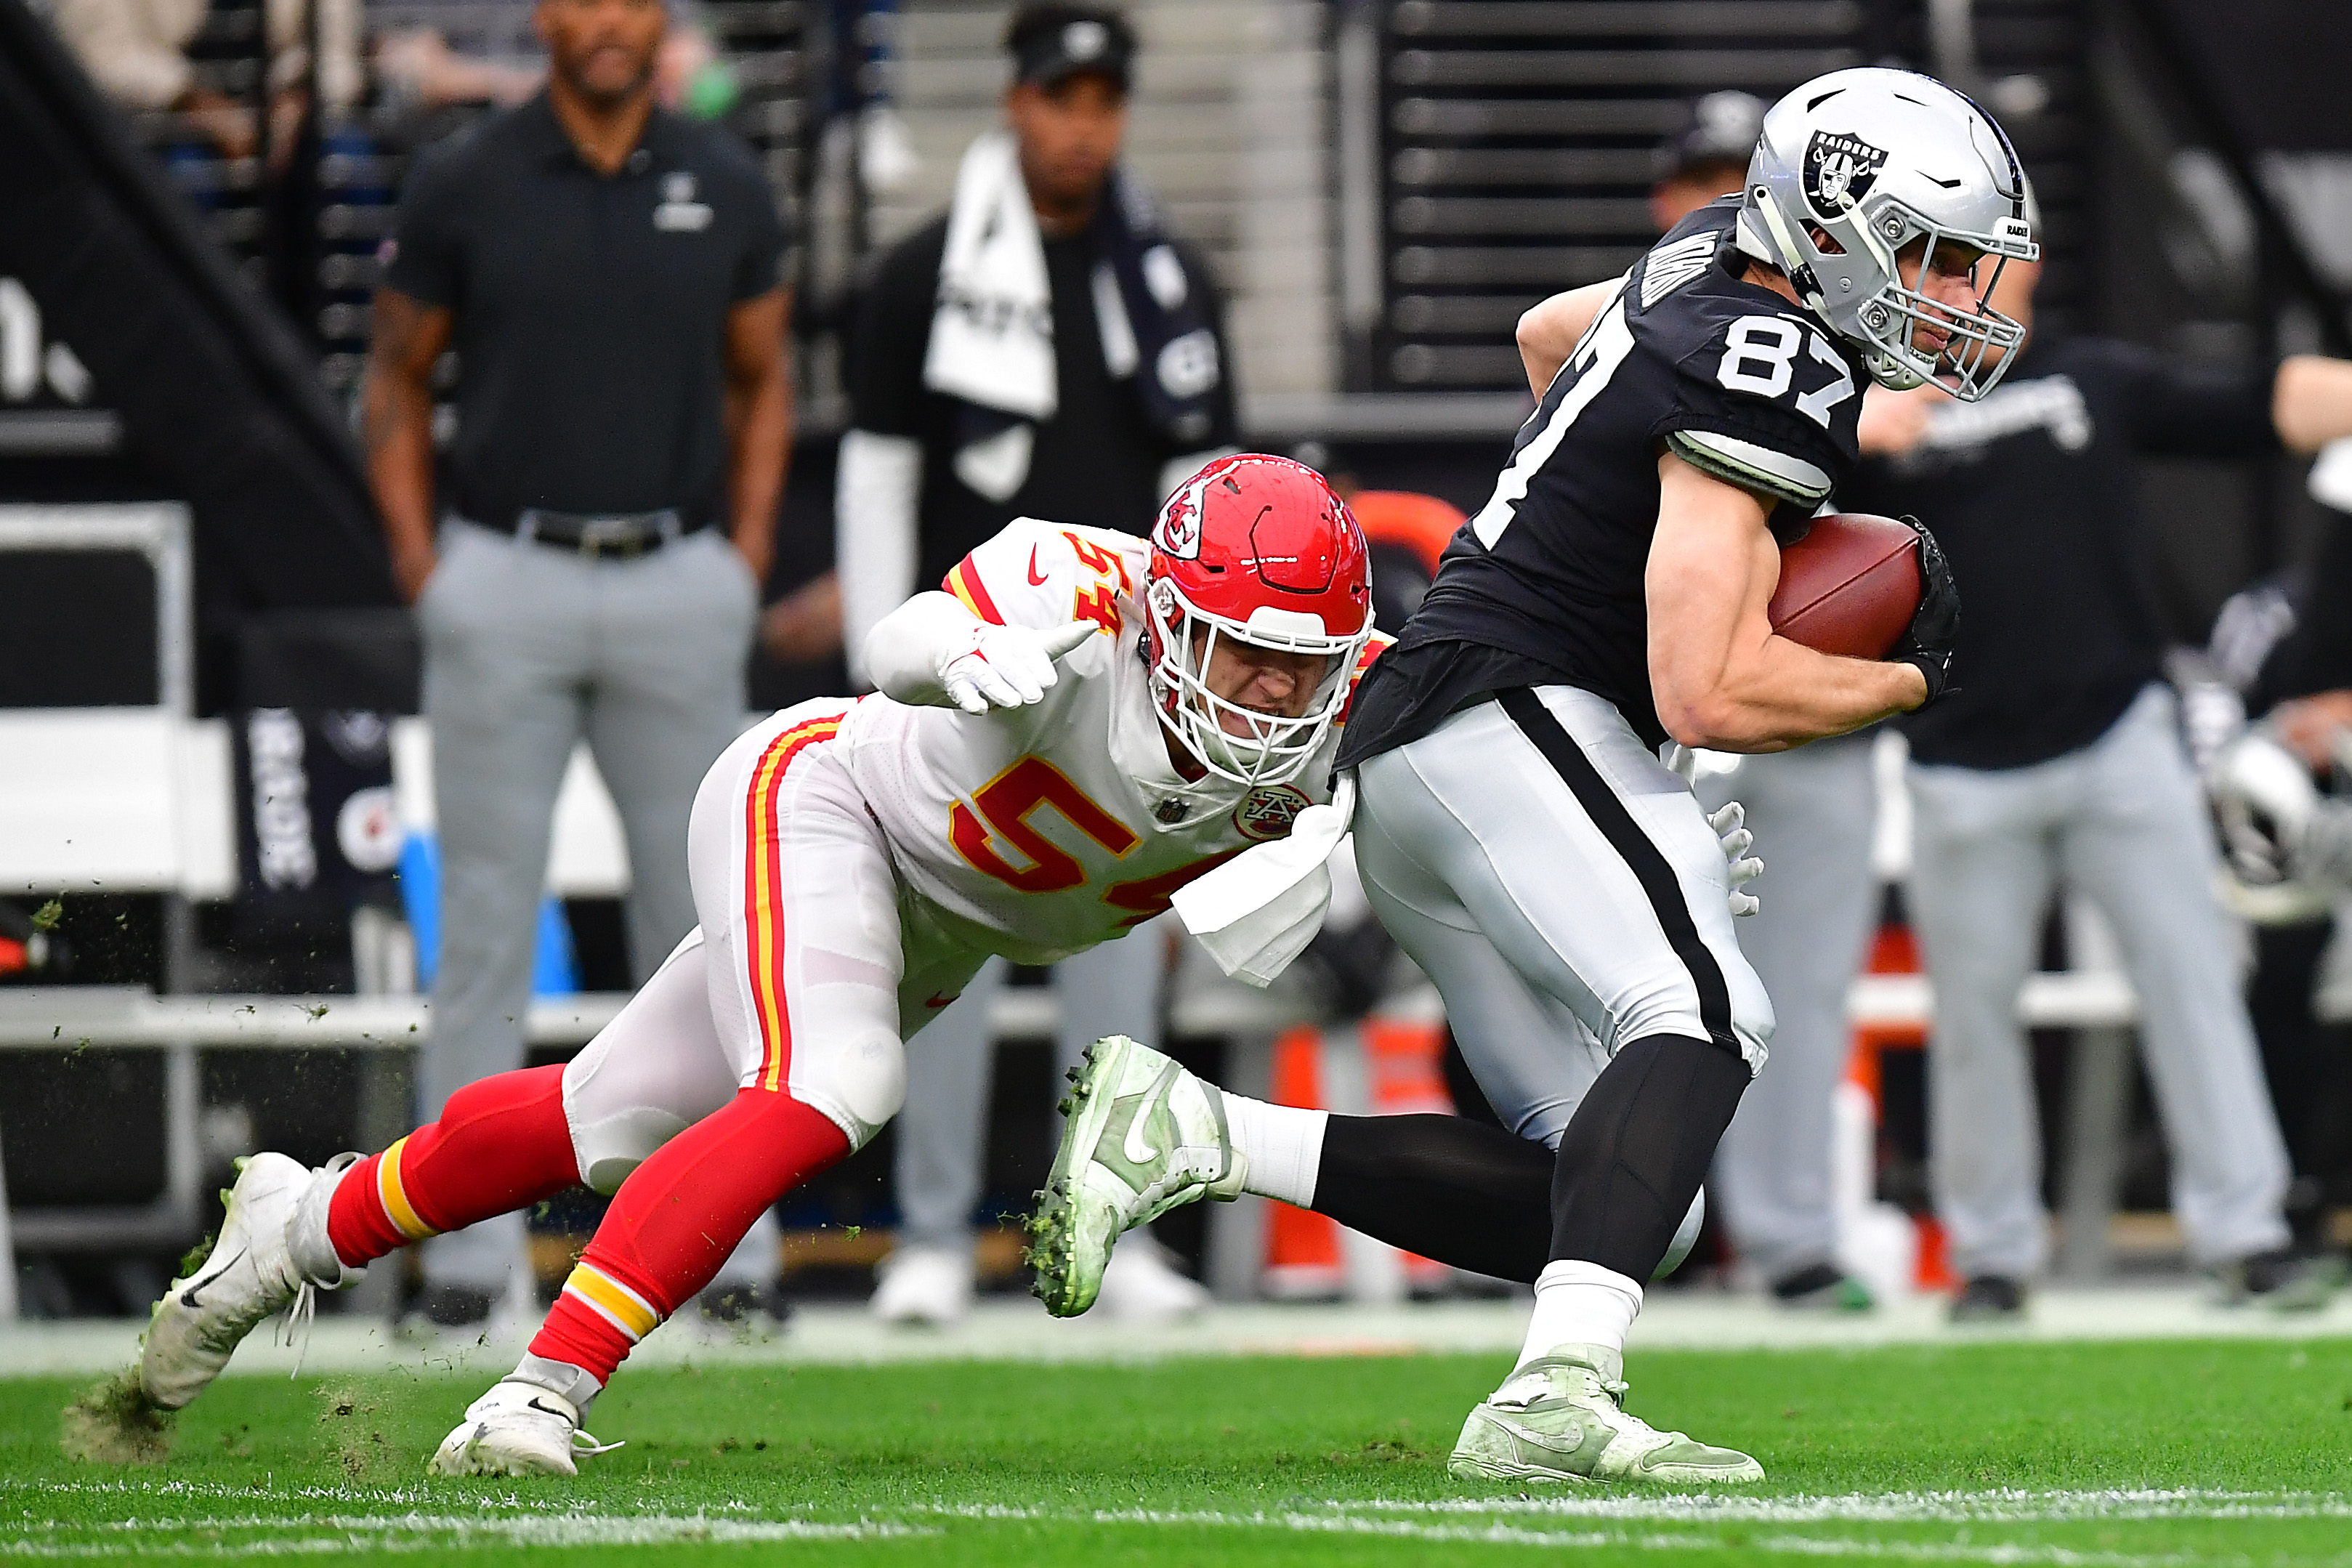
675	1220
500	1143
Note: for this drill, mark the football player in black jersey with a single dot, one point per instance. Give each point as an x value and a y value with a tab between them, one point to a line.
1516	829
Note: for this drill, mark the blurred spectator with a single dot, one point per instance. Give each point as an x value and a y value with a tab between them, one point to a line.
608	275
1046	349
417	67
136	52
2286	644
2056	760
1708	157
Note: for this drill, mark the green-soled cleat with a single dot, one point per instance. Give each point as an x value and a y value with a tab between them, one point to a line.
1141	1136
1560	1418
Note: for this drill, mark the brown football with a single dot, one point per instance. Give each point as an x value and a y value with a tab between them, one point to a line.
1849	586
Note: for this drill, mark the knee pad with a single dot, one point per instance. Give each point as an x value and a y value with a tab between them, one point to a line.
612	1146
859	1083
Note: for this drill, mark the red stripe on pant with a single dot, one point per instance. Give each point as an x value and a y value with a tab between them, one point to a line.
683	1212
500	1144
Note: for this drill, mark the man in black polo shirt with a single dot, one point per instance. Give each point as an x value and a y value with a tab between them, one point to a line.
609	277
2055	759
1046	349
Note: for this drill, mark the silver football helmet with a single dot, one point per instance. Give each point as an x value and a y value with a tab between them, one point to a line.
2286	838
1874	159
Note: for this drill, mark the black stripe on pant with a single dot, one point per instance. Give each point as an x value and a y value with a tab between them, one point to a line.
1643	857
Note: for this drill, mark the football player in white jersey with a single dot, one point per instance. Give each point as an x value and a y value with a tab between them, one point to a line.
1075	727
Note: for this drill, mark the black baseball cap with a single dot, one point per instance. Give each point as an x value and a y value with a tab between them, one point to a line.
1721	128
1052	43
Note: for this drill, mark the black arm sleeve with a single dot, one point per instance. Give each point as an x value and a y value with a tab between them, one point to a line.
2175	409
893	333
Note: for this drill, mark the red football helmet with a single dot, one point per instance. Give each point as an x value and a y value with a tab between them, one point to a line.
1256	549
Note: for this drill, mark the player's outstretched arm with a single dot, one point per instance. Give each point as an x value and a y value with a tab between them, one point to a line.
1721	678
933	652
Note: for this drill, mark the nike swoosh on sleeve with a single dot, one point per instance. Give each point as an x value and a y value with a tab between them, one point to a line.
1036	578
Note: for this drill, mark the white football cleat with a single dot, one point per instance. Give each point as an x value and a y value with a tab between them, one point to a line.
1141	1136
1140	1286
925	1286
1562	1417
518	1428
249	1274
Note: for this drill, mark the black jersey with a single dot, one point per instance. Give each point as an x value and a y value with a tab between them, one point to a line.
1544	586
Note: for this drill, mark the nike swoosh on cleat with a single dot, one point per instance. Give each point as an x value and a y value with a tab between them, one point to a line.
545	1409
1136	1150
188	1296
1036	579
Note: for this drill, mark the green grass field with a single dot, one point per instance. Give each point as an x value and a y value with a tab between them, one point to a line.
2075	1454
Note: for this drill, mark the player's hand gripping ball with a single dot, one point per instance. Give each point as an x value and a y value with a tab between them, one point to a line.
1870	587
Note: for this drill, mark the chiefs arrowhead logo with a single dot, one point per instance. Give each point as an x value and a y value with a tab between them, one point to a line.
1178	532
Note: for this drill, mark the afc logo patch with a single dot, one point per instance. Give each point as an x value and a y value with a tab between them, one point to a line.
1267	811
1839	169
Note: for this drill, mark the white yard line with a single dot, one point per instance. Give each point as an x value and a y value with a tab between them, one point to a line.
1999	1507
1502	1522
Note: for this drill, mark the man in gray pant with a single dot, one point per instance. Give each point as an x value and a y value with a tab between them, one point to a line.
609	278
1813	811
2057	761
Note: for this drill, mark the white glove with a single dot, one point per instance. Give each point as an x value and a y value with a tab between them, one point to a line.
1007	666
1743	867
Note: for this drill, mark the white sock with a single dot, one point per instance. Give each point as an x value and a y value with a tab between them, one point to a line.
1581	1304
1285	1146
574	1384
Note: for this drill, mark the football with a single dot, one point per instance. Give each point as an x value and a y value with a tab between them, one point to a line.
1850	586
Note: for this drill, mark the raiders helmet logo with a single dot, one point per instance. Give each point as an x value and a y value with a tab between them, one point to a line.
1839	169
1268	811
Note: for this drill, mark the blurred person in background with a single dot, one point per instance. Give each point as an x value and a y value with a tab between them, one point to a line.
136	52
415	67
1813	810
1708	157
2278	654
2058	761
1046	349
608	276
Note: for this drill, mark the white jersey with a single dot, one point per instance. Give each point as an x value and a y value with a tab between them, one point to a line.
1040	831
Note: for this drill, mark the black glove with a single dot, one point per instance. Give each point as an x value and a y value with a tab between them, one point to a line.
1927	643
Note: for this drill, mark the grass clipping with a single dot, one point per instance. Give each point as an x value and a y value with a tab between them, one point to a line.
112	1422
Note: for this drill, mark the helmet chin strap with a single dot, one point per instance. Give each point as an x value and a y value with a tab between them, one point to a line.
1801	274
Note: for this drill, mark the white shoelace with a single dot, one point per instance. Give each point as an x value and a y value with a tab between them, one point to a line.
294	1323
584	1446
